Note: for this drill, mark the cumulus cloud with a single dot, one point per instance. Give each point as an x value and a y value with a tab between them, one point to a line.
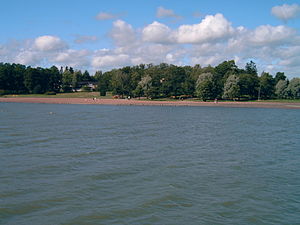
286	12
106	16
48	43
110	60
122	33
28	57
71	57
211	28
157	32
166	13
266	34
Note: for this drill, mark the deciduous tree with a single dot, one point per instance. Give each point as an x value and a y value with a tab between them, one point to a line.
281	89
231	88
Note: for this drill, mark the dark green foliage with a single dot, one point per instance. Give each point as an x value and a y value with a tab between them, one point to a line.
3	92
266	86
250	68
103	82
35	80
37	89
223	70
54	82
86	76
279	76
249	85
121	83
12	78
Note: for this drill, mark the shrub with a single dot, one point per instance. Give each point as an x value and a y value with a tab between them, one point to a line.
86	88
50	93
102	93
3	92
37	89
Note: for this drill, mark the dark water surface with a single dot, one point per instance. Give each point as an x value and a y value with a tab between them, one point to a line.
95	164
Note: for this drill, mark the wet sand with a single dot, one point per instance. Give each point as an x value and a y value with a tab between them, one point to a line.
284	105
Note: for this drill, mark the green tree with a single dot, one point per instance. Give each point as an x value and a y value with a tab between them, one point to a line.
144	86
231	87
12	78
55	79
18	78
294	88
250	68
173	80
33	80
281	89
249	84
205	86
67	77
98	75
120	83
76	78
86	76
157	80
266	86
103	83
279	76
224	70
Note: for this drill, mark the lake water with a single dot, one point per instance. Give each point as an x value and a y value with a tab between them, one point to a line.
97	164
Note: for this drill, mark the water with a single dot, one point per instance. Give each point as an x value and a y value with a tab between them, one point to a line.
95	164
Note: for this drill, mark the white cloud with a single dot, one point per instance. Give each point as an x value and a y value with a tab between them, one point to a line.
211	28
166	13
106	16
71	57
122	33
28	57
286	12
110	61
49	43
157	32
266	34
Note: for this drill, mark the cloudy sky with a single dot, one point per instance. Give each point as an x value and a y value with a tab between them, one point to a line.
101	34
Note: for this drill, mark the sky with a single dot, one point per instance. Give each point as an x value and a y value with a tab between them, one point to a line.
101	35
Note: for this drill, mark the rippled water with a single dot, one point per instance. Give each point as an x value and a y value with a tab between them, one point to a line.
95	164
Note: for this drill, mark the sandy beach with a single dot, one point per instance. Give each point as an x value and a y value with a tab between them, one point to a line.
88	101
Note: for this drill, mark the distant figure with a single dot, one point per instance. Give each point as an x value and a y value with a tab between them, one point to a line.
216	100
128	97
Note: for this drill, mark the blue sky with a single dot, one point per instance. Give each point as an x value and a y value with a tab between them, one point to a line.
100	35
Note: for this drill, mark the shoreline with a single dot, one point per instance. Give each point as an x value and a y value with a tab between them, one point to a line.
99	101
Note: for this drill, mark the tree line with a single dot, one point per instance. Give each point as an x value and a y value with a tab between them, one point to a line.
224	81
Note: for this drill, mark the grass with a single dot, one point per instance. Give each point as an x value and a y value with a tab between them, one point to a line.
109	96
280	100
63	95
